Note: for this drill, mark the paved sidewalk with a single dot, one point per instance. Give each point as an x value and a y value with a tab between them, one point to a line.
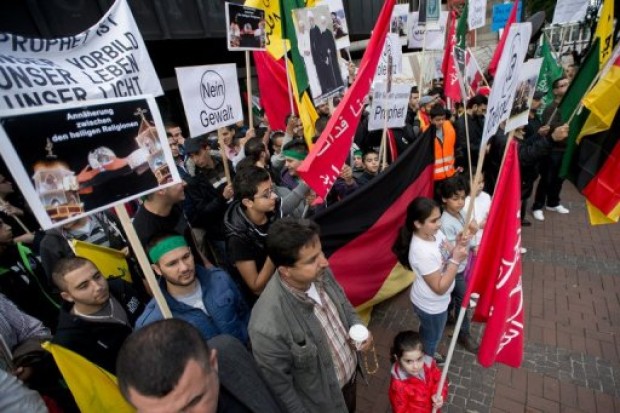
571	287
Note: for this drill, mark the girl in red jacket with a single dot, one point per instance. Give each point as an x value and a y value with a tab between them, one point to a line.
415	376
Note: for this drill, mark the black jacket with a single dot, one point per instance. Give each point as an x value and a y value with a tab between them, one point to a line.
208	206
475	125
99	342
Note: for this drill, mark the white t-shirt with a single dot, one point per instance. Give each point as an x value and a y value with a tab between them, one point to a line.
428	257
482	206
194	299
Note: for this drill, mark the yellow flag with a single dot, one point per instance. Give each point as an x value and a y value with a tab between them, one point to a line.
307	111
111	262
94	389
604	30
603	100
597	217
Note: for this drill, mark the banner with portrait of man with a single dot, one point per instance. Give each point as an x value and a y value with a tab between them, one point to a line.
317	46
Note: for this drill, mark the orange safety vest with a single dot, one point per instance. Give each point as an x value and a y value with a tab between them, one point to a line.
444	153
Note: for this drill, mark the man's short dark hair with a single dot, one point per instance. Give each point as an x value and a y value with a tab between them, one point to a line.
287	236
320	124
449	187
153	359
247	180
437	110
477	100
297	145
557	81
66	265
253	148
369	151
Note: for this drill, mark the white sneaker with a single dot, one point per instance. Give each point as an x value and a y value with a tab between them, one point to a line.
560	209
523	250
538	215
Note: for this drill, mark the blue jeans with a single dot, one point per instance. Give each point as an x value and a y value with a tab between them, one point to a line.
457	298
431	329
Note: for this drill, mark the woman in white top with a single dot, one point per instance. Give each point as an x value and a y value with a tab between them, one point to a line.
424	249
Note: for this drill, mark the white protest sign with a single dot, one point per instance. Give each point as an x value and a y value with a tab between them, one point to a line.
84	157
476	17
528	77
506	79
107	60
398	21
570	11
393	48
210	96
392	104
434	37
339	22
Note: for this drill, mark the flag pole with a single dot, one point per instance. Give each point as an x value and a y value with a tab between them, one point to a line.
511	136
421	91
455	335
249	88
288	79
138	250
388	87
220	141
15	217
471	178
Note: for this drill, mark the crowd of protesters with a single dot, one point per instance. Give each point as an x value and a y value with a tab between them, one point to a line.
260	322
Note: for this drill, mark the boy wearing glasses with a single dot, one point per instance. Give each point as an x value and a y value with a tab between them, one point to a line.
256	206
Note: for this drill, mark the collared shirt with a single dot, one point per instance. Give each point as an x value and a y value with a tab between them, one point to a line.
343	357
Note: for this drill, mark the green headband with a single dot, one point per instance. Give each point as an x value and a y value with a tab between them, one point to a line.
300	156
166	245
358	153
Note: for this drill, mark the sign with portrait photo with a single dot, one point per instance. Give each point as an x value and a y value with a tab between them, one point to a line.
245	28
76	159
317	46
524	94
339	23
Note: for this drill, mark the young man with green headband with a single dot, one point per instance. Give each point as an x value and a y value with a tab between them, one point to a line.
294	154
206	298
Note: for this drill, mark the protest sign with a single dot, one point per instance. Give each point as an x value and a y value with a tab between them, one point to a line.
107	60
339	23
477	14
391	48
429	11
434	39
398	23
392	104
506	79
210	96
528	76
570	11
317	46
501	12
245	27
74	159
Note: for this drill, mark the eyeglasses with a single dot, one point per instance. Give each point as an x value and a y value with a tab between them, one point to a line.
267	194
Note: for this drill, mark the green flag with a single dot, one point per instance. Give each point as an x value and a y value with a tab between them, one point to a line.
550	71
461	28
288	32
577	89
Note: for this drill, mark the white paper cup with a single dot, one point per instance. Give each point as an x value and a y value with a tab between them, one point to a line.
358	333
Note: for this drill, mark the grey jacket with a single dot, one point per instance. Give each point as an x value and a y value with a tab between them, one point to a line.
291	349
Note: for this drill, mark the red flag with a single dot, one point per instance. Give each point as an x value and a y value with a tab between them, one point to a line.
497	272
272	85
500	46
324	162
450	78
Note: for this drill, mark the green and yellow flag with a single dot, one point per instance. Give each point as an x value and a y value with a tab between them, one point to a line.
605	31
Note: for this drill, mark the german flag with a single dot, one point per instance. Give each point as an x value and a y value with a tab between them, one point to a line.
358	232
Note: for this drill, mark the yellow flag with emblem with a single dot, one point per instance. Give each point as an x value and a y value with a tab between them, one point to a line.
94	389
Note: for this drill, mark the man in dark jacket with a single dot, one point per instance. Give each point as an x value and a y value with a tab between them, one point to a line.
99	315
209	194
474	114
247	220
192	375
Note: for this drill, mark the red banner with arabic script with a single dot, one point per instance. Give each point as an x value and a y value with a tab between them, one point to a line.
324	162
497	272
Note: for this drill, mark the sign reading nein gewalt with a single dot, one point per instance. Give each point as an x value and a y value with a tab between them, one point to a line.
210	97
107	60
